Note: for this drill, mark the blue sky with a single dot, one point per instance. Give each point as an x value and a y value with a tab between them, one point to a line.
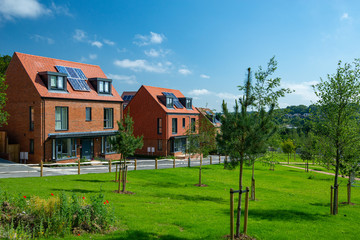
201	47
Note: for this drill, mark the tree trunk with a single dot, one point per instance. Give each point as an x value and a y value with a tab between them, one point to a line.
200	170
288	158
238	216
294	155
349	192
336	186
124	178
253	182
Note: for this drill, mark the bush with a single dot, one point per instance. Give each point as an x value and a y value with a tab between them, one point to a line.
23	217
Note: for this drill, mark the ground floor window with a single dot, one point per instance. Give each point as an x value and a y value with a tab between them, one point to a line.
178	145
106	146
160	143
64	148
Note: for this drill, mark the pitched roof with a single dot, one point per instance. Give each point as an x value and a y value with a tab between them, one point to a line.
157	94
210	115
35	64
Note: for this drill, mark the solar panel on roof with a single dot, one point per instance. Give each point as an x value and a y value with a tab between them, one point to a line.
76	78
175	99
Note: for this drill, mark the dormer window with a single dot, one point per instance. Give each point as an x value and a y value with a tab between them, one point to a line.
169	102
188	103
54	81
103	85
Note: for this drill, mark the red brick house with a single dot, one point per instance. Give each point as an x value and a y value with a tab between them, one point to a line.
208	115
162	116
60	110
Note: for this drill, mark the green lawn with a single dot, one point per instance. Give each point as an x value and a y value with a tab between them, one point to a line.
167	205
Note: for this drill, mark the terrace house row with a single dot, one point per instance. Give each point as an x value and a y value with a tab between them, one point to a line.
60	110
162	116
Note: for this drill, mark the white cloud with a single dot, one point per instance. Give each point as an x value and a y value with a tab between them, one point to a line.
226	95
184	71
304	90
152	53
198	92
79	35
92	56
127	79
60	10
140	65
39	38
11	9
344	16
108	42
204	76
96	43
153	38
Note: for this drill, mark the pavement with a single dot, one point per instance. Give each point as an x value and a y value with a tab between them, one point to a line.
16	170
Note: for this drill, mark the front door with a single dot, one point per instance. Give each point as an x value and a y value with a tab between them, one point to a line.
87	148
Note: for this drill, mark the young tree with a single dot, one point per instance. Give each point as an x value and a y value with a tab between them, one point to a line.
3	114
307	150
4	63
337	116
288	147
124	142
201	141
245	134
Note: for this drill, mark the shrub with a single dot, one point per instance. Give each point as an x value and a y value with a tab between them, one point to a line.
57	216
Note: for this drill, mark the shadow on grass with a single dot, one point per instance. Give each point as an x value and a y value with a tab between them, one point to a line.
76	190
284	215
140	235
165	185
193	198
91	180
320	204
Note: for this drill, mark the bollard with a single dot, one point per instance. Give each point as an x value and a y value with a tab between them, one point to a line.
331	200
174	163
156	165
109	165
79	166
135	164
41	168
210	160
232	213
246	210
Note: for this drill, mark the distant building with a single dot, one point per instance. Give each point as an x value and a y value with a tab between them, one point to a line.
60	110
127	96
207	113
162	116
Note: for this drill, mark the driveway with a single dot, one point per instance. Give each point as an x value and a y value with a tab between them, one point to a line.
13	170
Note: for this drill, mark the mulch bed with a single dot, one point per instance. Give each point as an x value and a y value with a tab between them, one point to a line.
242	237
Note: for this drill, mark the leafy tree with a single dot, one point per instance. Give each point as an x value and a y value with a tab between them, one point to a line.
244	134
337	117
4	63
307	150
288	147
124	142
3	114
201	141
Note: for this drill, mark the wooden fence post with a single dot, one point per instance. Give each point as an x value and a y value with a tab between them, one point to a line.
189	161
156	163
174	163
232	214
210	160
135	164
79	166
41	168
331	200
246	210
109	165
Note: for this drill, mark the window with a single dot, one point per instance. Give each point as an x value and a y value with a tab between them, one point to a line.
104	87
61	118
65	148
88	113
174	125
159	126
193	125
108	118
169	102
183	123
188	103
31	117
178	145
31	147
160	145
106	146
57	82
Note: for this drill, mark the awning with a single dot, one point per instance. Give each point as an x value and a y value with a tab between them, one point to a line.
82	134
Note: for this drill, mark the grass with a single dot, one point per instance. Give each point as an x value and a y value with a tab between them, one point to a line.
167	205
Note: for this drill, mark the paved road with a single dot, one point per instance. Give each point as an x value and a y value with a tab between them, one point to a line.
15	170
